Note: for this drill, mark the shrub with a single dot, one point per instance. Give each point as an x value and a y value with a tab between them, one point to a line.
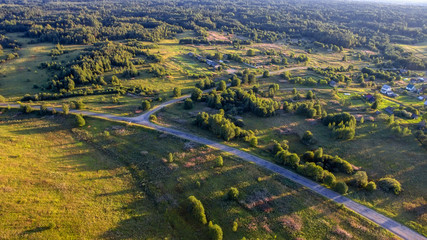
197	209
145	105
233	193
177	92
188	104
390	185
215	231
25	108
360	179
341	187
65	109
80	120
254	142
308	156
2	99
292	160
153	118
197	94
219	161
43	109
170	157
311	170
235	226
329	179
307	138
371	186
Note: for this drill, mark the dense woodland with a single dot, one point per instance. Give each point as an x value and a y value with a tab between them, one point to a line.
361	24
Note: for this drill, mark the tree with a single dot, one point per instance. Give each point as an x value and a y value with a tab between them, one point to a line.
375	104
294	91
318	155
2	99
145	105
390	185
233	193
197	94
307	138
266	74
329	179
371	186
80	120
170	157
341	187
115	80
197	209
219	161
360	179
310	95
254	142
222	86
65	108
188	104
215	231
250	52
177	92
251	79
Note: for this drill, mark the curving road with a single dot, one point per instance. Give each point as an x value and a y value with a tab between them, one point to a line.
143	120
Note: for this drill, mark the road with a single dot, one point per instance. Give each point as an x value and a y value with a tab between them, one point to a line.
143	120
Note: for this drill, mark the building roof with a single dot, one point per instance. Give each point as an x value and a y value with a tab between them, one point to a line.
410	86
389	110
386	86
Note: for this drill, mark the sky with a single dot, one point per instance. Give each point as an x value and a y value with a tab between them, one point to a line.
422	2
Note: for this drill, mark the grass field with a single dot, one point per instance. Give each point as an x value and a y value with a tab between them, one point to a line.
63	182
376	149
419	50
18	76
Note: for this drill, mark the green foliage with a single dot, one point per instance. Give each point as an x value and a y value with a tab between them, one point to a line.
2	99
371	186
197	94
177	92
235	226
233	193
197	209
80	121
390	185
145	105
219	161
266	74
254	141
25	108
308	138
311	170
360	179
329	179
170	157
341	187
222	86
250	52
188	103
153	118
215	231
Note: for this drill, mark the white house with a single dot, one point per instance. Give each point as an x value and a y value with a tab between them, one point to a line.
410	87
385	89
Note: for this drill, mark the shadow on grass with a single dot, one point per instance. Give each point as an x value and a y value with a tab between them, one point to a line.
36	230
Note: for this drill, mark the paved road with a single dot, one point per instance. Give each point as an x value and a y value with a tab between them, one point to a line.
387	223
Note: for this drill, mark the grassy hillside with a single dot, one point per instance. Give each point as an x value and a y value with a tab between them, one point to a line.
108	180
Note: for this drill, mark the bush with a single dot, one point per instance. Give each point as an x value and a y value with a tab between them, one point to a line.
170	157
341	187
235	226
215	231
65	109
292	160
188	104
307	138
197	94
254	142
219	162
371	186
233	193
177	92
153	118
80	120
145	105
329	179
197	209
360	179
308	156
390	185
25	108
